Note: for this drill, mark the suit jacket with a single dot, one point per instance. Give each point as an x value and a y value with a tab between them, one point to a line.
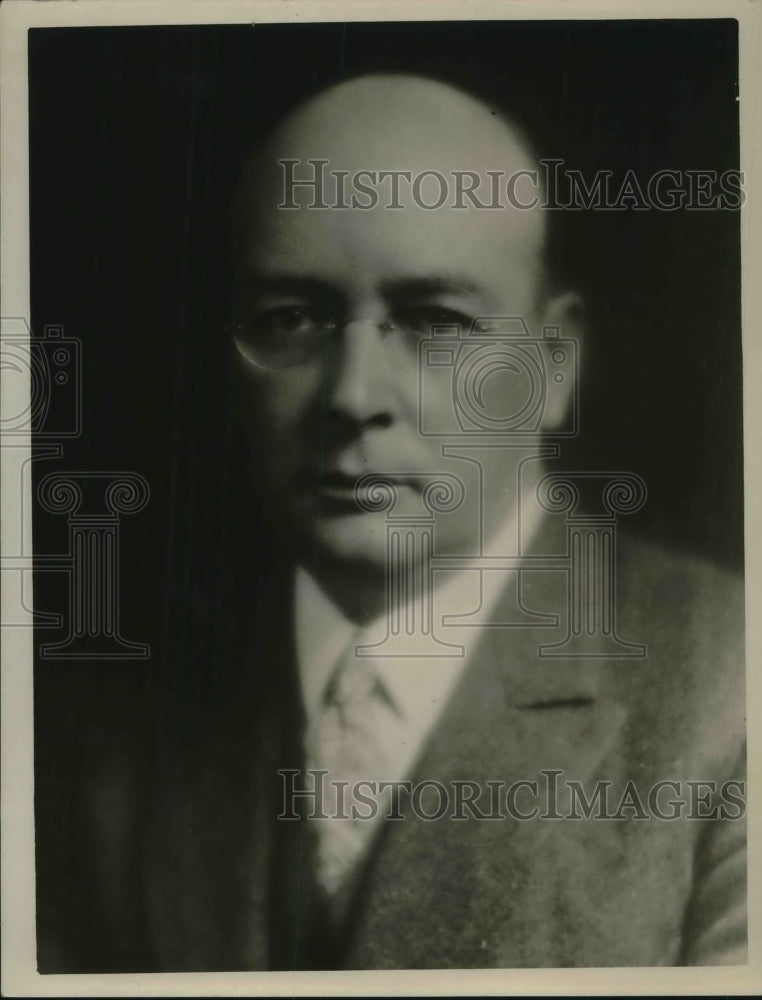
174	858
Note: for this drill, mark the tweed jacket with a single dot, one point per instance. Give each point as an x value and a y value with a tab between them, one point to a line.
169	855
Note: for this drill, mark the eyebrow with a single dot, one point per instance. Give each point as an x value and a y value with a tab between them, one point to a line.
440	284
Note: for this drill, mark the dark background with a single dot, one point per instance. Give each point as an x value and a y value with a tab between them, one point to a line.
136	135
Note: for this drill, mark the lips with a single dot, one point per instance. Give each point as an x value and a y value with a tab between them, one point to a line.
338	487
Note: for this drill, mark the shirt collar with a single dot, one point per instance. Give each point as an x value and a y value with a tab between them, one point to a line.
415	684
323	634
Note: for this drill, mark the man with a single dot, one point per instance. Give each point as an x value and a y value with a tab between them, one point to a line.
237	862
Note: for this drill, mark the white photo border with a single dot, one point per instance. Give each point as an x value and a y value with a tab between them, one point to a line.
19	975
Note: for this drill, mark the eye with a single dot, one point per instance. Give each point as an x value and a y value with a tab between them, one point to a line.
282	335
419	319
290	320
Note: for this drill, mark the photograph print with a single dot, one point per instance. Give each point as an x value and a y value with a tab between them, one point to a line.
387	495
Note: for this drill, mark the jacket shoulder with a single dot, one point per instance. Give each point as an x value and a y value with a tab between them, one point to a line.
689	689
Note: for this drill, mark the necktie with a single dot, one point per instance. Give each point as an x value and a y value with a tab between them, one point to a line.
347	742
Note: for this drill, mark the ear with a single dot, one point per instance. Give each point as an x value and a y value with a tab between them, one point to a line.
566	312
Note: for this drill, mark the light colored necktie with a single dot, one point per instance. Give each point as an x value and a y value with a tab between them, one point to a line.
347	741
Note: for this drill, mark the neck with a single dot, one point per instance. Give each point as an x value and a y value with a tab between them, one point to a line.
357	589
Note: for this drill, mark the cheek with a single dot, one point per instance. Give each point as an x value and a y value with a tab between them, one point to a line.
407	393
277	428
275	408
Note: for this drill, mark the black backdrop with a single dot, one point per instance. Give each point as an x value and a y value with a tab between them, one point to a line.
135	138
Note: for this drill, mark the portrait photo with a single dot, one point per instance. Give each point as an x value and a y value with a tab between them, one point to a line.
383	466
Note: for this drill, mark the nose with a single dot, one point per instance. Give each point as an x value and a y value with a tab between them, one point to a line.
361	389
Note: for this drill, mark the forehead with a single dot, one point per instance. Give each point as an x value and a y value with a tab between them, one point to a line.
357	250
409	153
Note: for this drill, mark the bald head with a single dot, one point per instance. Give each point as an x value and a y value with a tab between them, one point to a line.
432	124
388	143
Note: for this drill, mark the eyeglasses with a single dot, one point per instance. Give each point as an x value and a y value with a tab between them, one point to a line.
291	336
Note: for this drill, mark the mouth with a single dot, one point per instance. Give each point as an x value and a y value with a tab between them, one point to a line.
340	489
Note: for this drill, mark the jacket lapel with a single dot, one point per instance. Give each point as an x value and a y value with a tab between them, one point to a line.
459	892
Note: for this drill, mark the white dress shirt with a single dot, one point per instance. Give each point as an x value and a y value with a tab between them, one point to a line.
417	687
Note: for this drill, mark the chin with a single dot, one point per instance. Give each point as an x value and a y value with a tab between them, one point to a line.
358	540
